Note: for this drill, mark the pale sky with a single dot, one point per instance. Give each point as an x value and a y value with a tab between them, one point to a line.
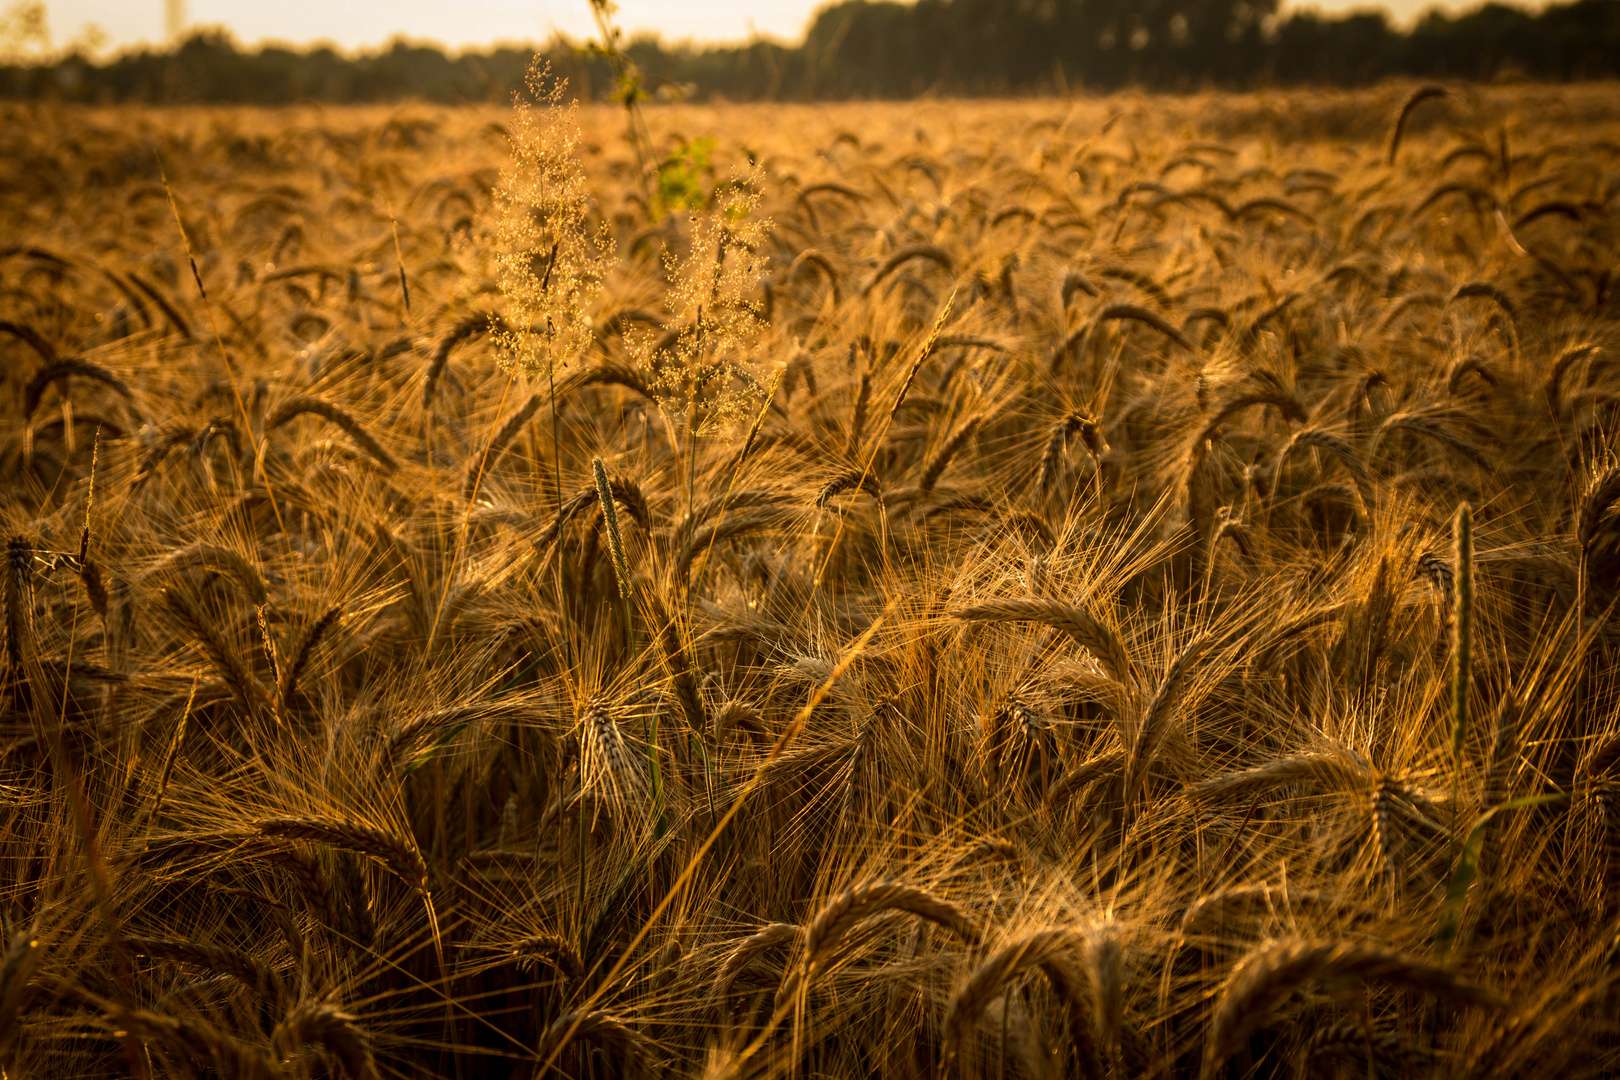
359	24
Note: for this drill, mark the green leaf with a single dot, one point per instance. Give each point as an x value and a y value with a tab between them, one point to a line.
680	176
1462	875
630	88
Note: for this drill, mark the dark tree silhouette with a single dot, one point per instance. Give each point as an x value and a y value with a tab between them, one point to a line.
881	48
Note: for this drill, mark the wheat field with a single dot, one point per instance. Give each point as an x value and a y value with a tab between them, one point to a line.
1105	588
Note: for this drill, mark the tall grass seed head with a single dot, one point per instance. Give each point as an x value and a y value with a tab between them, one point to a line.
712	296
549	260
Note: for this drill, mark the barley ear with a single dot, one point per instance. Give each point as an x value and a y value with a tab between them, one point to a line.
298	662
395	851
635	1052
95	590
198	1042
947	451
621	567
857	425
1417	98
333	1029
553	951
840	915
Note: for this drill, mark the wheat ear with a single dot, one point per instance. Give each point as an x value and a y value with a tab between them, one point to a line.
222	560
600	1027
1053	951
1418	97
849	480
1352	1040
608	768
987	849
61	370
196	1040
1273	971
19	594
316	406
1238	896
398	854
306	871
932	252
497	446
678	665
1157	716
95	589
863	401
751	948
1089	632
1081	337
333	1029
295	668
1597	536
610	514
470	326
553	951
247	970
1327	770
844	911
947	451
248	689
21	959
1106	957
1570	356
1382	808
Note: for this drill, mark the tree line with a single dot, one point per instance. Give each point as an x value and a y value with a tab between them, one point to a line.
883	49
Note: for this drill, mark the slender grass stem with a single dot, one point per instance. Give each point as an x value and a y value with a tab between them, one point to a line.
1462	640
